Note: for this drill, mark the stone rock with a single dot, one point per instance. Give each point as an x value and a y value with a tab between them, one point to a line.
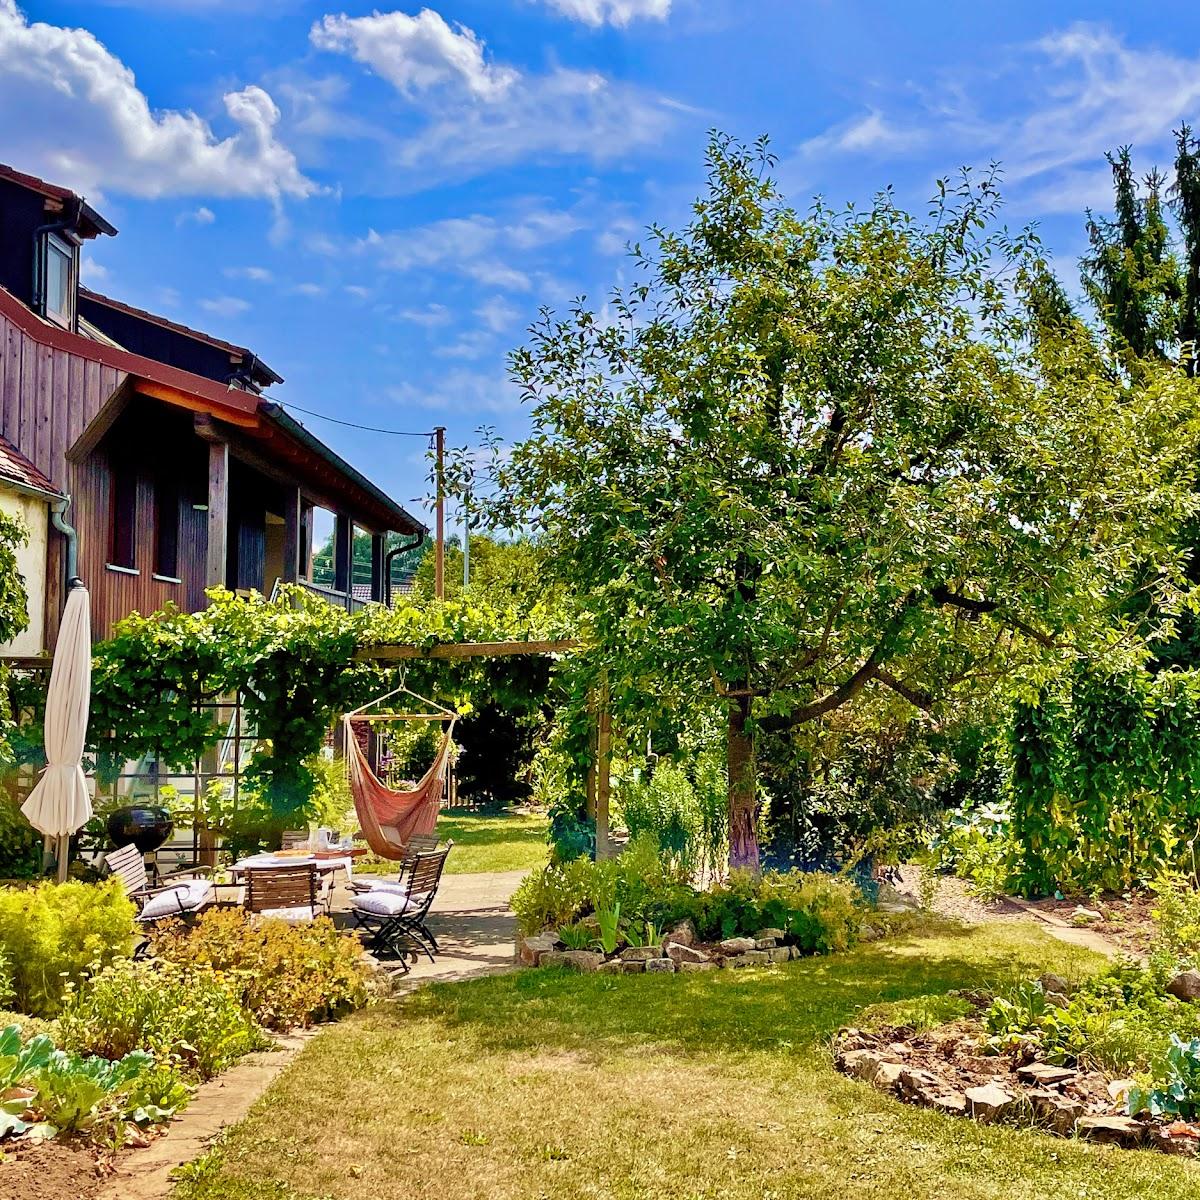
573	960
613	967
1118	1089
530	949
1113	1131
751	958
640	953
1057	999
707	965
890	900
1055	983
780	954
796	952
764	943
899	1049
1086	916
737	945
677	952
991	1102
923	1087
632	966
659	966
887	1076
684	934
1054	1110
1185	986
1044	1074
776	935
1177	1138
861	1064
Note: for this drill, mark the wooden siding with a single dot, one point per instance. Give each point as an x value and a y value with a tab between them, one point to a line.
48	397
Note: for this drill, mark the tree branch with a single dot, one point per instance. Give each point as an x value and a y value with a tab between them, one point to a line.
915	696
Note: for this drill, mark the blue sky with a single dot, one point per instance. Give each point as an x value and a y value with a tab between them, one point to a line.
377	200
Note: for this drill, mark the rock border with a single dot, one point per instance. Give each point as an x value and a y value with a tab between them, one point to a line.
678	953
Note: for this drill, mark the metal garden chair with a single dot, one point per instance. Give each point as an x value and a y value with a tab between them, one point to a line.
397	912
419	843
184	899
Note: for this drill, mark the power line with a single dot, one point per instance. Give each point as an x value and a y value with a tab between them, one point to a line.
349	424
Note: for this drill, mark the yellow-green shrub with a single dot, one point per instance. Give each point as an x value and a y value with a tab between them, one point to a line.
285	975
54	934
184	1016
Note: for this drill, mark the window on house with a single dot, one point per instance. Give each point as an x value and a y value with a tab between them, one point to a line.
166	528
123	518
58	280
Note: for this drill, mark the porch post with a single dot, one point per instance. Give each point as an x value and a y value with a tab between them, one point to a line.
343	550
378	547
291	535
218	512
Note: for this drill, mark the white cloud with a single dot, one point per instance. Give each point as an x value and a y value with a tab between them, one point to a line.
357	291
84	123
200	216
460	390
254	274
497	314
92	272
476	246
415	54
225	306
469	346
868	133
431	316
466	113
612	12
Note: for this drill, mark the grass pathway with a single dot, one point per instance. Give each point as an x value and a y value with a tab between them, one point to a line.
703	1086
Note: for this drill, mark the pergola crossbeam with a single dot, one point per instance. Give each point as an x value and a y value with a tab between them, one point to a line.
398	653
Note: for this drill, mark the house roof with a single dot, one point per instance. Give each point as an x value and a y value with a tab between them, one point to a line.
258	419
93	223
268	376
16	468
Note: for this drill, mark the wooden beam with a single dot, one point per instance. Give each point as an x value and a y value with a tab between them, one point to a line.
394	653
291	534
218	513
603	771
196	404
343	553
378	549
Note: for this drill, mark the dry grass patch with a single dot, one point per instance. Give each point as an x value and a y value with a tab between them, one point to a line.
705	1086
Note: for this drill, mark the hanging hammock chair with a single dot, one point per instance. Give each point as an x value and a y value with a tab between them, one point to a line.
391	817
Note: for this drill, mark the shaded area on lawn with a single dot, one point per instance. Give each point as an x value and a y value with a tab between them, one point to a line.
508	840
713	1085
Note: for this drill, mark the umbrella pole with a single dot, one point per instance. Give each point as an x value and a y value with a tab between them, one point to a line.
64	853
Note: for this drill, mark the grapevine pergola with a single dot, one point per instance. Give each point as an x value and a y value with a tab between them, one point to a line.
599	773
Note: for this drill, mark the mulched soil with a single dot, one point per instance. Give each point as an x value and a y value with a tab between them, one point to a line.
63	1169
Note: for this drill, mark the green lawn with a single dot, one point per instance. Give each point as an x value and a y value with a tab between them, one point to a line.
539	1084
511	840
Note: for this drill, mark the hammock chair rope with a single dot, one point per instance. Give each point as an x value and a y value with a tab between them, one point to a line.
391	817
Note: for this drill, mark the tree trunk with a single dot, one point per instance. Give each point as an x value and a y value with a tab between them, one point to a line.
743	802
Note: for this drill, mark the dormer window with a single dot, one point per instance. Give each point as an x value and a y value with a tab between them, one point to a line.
59	262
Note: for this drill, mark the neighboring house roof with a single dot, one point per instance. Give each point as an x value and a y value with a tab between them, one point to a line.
95	223
15	468
269	376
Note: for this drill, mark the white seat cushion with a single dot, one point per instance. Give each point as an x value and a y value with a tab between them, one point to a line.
181	898
384	901
293	916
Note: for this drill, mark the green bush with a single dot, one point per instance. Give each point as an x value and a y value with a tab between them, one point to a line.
284	975
186	1017
1118	1021
819	913
664	807
55	934
20	843
1175	943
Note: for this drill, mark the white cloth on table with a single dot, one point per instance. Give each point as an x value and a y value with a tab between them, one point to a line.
323	865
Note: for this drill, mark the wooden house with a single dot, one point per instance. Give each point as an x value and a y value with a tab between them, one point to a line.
181	473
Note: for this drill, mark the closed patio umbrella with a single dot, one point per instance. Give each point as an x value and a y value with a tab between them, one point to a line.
59	804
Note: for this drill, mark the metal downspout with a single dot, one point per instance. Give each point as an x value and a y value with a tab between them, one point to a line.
387	564
58	520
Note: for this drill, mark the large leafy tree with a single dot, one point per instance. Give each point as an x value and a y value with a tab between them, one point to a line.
808	457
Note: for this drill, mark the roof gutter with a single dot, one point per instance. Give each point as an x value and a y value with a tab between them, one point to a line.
405	521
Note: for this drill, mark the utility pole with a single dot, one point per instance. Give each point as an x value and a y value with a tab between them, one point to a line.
439	561
466	541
